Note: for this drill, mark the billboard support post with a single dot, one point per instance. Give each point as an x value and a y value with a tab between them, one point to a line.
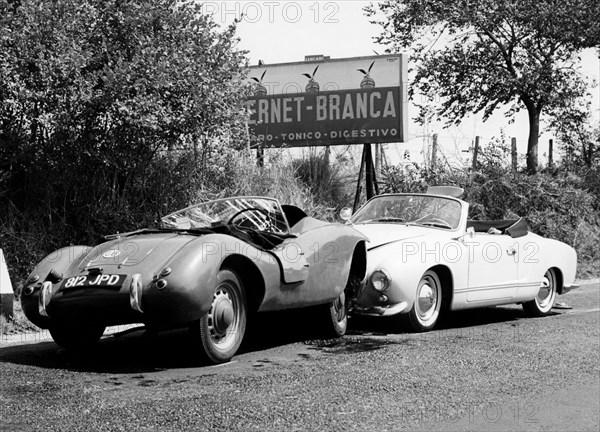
359	182
260	157
371	176
368	168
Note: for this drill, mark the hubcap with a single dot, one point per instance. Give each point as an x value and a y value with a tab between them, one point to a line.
545	293
426	300
221	317
339	307
223	314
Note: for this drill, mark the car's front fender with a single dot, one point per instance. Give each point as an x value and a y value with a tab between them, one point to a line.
406	262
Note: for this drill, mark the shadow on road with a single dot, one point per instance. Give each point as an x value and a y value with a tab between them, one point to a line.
141	351
363	325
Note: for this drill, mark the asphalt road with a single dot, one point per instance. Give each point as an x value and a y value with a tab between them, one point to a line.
489	369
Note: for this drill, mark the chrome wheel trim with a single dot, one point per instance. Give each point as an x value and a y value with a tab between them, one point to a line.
547	292
426	303
338	308
224	317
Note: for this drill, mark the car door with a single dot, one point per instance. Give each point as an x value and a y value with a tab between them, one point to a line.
493	267
293	260
318	259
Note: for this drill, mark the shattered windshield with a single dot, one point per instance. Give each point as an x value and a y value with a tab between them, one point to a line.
257	213
414	209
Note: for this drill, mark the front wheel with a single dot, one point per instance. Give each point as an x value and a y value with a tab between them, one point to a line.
335	317
428	301
222	329
79	337
542	304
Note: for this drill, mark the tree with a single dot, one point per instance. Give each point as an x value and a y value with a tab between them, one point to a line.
479	54
93	93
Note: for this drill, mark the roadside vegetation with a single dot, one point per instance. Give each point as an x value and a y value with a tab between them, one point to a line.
115	113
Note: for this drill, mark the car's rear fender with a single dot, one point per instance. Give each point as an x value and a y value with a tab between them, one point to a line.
541	254
251	277
187	290
51	268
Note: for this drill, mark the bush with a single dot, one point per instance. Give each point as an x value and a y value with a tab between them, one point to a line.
325	181
558	204
173	180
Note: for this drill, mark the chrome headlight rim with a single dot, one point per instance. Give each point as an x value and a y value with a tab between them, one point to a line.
380	280
28	290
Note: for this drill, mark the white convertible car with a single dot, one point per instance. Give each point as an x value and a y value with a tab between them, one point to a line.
425	257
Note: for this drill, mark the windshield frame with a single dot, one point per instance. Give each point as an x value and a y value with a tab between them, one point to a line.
284	229
461	221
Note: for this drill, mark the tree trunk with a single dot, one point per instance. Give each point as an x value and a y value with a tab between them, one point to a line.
534	135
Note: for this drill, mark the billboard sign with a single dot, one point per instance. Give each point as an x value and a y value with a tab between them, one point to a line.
329	102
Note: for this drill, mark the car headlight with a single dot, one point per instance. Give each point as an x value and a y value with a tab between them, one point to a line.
380	280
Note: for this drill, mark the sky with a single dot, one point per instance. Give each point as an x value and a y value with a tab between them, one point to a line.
286	31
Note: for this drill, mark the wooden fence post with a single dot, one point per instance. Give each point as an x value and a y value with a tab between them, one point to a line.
513	153
434	147
475	152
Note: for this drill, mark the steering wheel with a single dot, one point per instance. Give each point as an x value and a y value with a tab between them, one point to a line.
433	220
437	221
263	211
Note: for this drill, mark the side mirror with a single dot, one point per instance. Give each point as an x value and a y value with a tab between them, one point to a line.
471	232
345	214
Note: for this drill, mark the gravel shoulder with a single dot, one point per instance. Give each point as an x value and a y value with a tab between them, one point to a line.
488	369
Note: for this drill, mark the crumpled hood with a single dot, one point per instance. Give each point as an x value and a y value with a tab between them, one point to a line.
384	233
133	250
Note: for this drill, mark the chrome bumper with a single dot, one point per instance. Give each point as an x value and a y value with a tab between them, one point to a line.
44	298
387	310
567	288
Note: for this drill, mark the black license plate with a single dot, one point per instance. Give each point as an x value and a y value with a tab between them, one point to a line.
97	280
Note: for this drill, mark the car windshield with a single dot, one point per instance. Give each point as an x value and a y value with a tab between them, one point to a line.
258	213
418	209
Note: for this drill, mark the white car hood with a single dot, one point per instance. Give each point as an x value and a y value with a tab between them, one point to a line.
383	233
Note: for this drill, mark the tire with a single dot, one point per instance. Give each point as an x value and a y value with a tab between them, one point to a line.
428	302
78	337
222	329
542	304
335	317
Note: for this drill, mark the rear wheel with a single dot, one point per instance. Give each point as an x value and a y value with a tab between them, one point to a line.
428	301
79	337
222	329
542	304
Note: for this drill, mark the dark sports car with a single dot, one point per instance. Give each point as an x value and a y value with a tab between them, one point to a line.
209	267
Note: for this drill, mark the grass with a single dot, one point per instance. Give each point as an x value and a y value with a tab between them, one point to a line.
18	323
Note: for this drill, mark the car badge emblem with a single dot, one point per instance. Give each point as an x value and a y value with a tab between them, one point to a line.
113	253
